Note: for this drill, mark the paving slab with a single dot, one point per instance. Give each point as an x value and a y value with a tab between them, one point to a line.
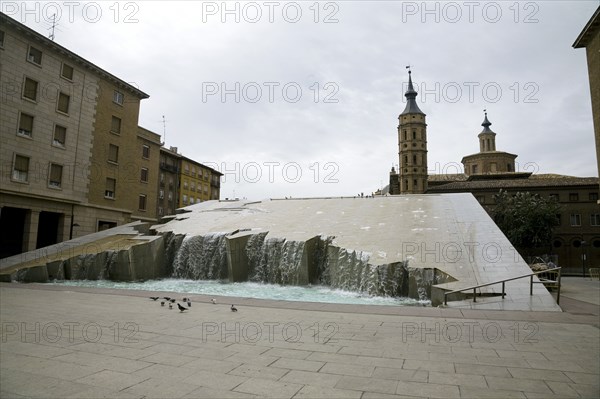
140	350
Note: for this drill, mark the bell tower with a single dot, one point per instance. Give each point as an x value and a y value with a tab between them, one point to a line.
412	143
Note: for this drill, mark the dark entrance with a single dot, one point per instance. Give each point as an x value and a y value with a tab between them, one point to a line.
104	225
48	229
12	227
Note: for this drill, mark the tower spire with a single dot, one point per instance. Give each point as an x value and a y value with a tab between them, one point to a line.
411	97
486	123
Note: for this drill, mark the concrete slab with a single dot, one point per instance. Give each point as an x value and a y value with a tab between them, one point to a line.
554	359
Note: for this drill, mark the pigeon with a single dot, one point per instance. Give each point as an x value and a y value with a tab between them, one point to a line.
162	303
181	308
154	298
214	301
173	300
184	299
167	298
189	302
170	306
233	308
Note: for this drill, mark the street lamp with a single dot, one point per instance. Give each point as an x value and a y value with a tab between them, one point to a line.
71	229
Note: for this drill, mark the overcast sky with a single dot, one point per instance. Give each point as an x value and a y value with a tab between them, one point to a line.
302	98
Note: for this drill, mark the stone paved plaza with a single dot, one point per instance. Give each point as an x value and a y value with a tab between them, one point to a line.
93	343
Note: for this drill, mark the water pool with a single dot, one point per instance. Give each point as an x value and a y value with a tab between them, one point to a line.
321	294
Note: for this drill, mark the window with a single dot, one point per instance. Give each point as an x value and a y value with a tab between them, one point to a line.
67	71
192	200
109	191
170	197
481	199
508	167
144	175
414	160
113	153
573	197
145	151
171	181
185	200
192	186
25	125
205	190
405	135
193	171
199	172
185	185
160	211
162	177
474	169
559	218
575	219
161	194
34	55
493	167
414	134
554	196
595	219
593	196
115	125
63	103
55	178
21	168
1	38
186	169
142	202
60	136
30	89
118	97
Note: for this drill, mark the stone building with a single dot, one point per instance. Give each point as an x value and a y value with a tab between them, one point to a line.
56	111
146	160
71	147
197	182
576	240
168	184
115	167
412	146
73	159
589	38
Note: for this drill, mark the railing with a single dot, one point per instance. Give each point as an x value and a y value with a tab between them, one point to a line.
531	282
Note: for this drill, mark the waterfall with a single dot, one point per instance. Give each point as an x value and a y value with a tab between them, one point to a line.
202	258
277	260
274	260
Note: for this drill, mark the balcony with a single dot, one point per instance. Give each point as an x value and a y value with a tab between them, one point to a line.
169	168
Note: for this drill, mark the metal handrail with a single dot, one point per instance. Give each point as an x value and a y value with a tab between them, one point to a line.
530	275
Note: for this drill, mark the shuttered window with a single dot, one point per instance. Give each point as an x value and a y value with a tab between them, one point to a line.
109	192
30	89
113	153
63	102
55	175
21	168
60	135
25	125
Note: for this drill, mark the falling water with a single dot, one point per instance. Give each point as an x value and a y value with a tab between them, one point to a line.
202	257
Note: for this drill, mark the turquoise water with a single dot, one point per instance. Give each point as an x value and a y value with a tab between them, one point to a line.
321	294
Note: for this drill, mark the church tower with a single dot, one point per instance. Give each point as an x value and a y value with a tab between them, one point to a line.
488	160
412	143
